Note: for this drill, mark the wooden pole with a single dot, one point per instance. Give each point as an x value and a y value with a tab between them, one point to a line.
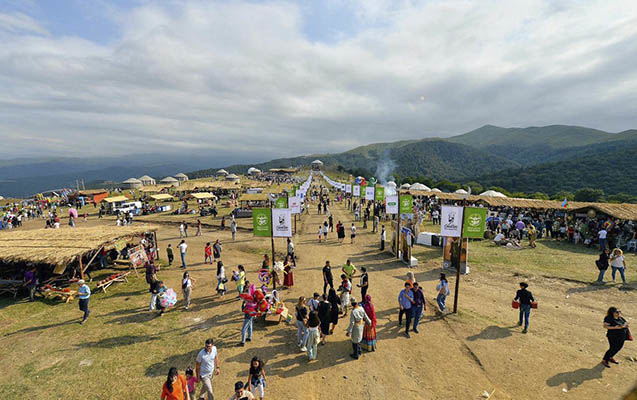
79	258
91	260
458	258
272	237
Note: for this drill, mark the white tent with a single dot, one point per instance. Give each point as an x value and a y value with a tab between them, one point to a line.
419	186
405	186
436	190
461	191
253	171
222	172
147	180
391	185
492	193
181	177
169	180
132	183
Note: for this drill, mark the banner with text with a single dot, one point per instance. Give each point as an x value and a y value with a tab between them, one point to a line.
475	222
369	193
380	194
451	221
406	204
281	222
261	223
295	205
392	204
357	191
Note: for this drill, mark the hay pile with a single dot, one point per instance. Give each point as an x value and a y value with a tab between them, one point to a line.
59	247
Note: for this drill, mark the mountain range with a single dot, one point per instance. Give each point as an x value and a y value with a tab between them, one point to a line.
546	159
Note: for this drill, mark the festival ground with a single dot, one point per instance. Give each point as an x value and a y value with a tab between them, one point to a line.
124	351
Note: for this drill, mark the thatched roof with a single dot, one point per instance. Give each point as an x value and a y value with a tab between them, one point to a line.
621	211
154	188
90	192
162	196
59	247
253	197
132	180
192	185
202	195
169	179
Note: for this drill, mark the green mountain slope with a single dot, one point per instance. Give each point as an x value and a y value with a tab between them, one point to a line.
612	171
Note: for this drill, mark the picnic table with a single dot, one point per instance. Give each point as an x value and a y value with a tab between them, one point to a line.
121	277
66	295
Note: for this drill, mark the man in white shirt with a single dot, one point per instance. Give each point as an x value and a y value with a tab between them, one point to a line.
207	365
499	239
601	235
182	249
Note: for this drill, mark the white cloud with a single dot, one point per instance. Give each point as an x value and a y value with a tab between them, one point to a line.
206	76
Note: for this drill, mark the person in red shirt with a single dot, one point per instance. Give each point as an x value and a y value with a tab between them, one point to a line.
207	254
175	387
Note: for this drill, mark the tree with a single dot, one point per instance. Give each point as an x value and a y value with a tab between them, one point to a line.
589	194
476	188
561	195
540	196
340	168
622	198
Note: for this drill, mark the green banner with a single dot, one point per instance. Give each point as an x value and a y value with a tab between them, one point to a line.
262	221
281	202
293	192
379	195
475	222
406	204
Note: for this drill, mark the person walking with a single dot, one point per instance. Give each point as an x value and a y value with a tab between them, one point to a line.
182	230
240	279
358	318
207	253
349	269
443	292
240	392
288	273
405	303
206	367
526	298
175	387
291	250
419	305
301	317
198	228
256	378
602	264
353	234
313	336
328	280
216	250
618	263
221	277
364	285
169	254
616	332
335	307
182	250
186	286
340	232
325	317
233	229
84	294
369	332
154	293
346	291
246	328
383	237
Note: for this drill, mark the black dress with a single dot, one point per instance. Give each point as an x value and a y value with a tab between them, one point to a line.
334	309
325	317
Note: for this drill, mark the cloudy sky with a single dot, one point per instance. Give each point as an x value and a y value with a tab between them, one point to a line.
265	79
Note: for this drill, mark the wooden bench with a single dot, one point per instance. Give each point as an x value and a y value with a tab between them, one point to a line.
53	294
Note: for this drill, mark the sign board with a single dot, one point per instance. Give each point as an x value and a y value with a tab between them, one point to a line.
281	202
261	222
348	188
380	194
369	193
406	204
295	205
391	206
281	222
451	221
475	222
357	191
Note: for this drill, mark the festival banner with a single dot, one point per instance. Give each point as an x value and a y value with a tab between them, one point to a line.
295	205
380	194
348	188
357	191
391	204
261	223
369	193
451	221
281	222
475	222
406	204
281	202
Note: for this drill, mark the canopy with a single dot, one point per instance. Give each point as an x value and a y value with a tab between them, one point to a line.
254	197
162	196
202	195
116	199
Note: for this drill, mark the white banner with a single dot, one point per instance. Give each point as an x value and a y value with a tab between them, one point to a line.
369	193
451	221
281	222
357	190
348	188
294	203
391	206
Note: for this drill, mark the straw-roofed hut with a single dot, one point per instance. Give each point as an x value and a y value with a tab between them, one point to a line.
221	173
132	183
147	180
233	178
181	177
61	247
169	180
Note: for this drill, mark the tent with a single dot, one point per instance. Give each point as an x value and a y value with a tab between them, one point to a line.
419	186
181	177
161	197
202	196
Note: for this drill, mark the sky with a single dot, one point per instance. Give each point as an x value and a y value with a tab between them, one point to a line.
257	80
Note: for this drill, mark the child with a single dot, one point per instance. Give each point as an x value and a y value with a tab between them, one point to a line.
320	233
221	279
346	290
256	378
169	252
207	254
191	381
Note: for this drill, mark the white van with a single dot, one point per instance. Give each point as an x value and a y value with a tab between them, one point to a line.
131	206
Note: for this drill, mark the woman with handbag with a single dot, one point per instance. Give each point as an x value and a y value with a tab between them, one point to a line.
617	333
602	264
526	299
313	335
